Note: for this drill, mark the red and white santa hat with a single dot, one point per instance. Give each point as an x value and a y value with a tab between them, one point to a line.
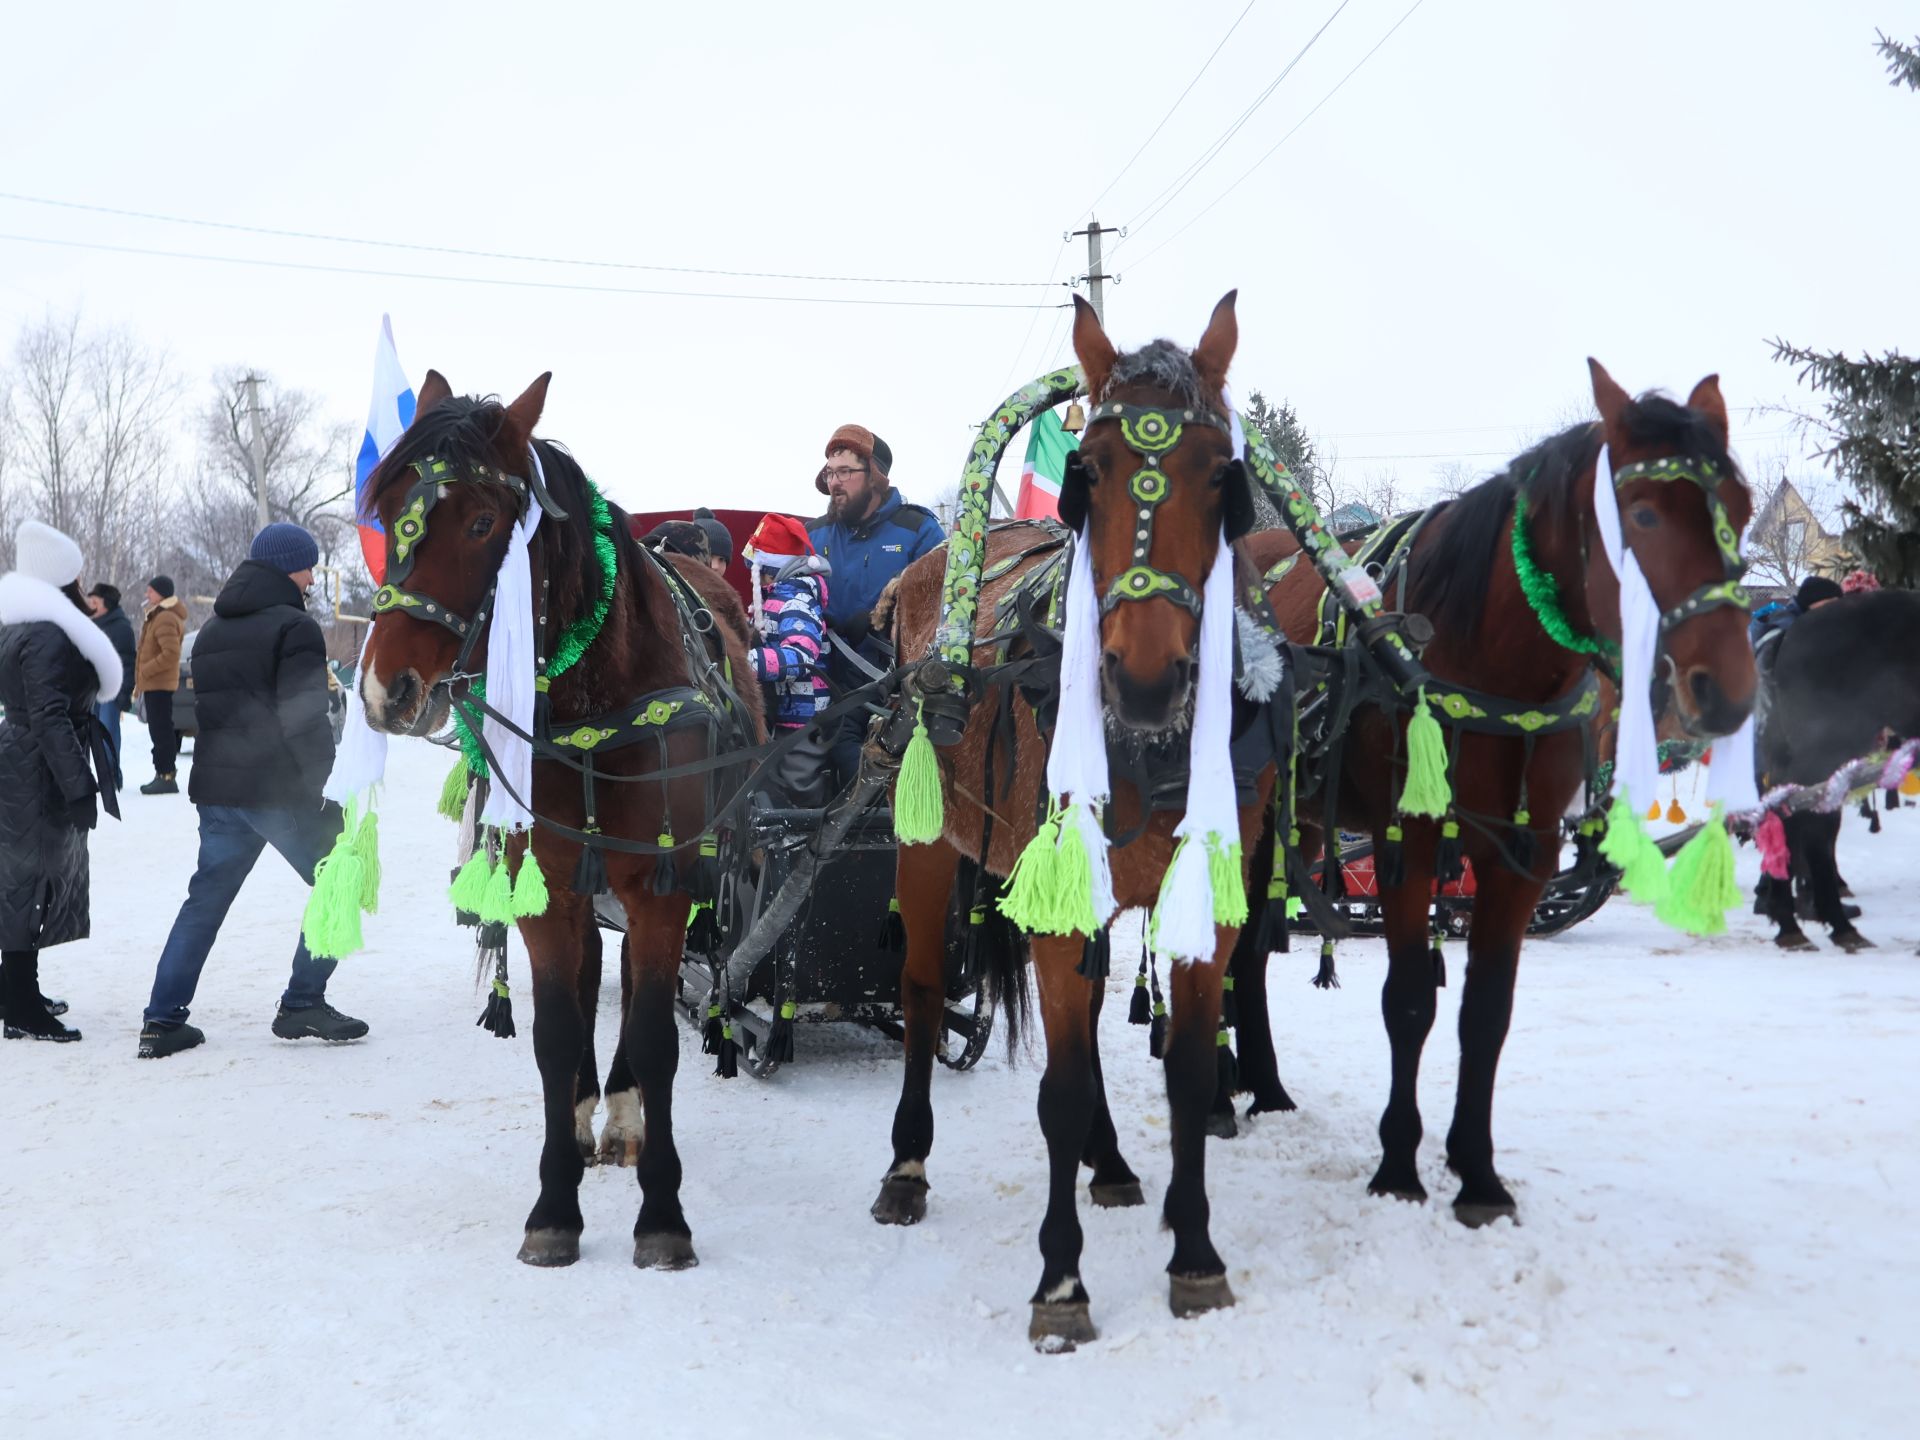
778	540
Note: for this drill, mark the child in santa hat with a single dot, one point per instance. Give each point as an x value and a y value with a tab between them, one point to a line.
789	601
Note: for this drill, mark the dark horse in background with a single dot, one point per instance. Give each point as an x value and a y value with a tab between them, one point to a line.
1463	576
1846	673
408	686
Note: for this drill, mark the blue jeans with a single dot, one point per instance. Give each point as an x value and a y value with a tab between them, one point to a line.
231	839
110	718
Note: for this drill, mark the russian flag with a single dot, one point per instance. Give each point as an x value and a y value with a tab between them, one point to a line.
387	419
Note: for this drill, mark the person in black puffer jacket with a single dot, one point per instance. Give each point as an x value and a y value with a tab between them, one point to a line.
54	663
104	601
261	757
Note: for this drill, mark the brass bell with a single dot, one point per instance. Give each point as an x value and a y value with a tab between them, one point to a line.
1076	420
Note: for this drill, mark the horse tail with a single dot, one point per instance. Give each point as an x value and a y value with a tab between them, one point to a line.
994	952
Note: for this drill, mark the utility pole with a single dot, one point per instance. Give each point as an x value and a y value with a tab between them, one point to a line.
1095	276
258	448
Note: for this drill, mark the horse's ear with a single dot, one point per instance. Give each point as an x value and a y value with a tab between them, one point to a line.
1076	492
1214	353
1091	345
1608	398
1236	500
433	390
524	413
1707	399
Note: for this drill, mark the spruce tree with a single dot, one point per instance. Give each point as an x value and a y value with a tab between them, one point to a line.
1873	423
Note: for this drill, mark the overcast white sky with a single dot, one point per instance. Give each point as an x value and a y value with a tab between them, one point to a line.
1504	188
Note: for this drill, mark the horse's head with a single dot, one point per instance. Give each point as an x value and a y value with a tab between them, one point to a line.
1683	505
448	494
1153	482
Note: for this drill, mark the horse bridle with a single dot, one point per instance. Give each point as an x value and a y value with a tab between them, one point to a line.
409	528
1707	475
1152	433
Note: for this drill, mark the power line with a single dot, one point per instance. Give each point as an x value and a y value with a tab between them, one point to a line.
509	283
504	254
1207	157
1053	268
1170	109
1284	138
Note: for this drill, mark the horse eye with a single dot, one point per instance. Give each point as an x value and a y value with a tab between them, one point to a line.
481	528
1645	516
1219	477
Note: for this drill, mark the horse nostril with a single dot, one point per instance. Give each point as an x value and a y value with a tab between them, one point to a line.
403	692
1706	694
1110	664
1182	672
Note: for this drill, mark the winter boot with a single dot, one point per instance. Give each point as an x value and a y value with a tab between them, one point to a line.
158	1041
28	1017
161	785
319	1022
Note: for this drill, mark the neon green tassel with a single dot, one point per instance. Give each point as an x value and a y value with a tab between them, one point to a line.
331	923
1701	886
496	904
1426	792
1036	895
469	890
1643	869
529	888
1229	885
919	810
453	793
1296	907
366	848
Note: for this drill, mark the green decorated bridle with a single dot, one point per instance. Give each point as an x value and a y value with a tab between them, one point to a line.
1707	474
1152	433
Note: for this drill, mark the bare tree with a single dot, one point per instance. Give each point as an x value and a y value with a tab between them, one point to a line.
87	422
1785	542
1453	479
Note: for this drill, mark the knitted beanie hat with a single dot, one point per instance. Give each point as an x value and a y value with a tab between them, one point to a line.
778	539
1814	589
46	554
864	443
162	585
286	547
719	538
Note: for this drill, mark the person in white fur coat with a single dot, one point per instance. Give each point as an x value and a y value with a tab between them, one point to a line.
54	665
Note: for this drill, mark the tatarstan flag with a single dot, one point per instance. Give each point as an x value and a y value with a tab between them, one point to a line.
1048	445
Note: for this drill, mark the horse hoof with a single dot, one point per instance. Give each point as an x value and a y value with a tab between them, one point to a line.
664	1250
1795	940
624	1153
1059	1328
1117	1196
1271	1105
1221	1124
903	1201
1853	942
1400	1187
1191	1295
550	1249
1475	1213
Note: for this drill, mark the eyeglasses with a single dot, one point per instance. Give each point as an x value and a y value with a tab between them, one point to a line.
845	473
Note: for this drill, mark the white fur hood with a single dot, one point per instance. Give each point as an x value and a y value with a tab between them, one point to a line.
24	599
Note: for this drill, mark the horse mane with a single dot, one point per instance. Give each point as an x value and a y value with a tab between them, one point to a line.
1165	366
465	432
1450	577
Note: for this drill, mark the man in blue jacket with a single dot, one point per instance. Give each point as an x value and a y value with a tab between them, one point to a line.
868	535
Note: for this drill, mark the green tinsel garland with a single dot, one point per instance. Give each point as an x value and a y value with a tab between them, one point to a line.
1674	755
574	640
1543	593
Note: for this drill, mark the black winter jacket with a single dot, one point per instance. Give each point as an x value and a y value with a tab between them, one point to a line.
260	697
46	779
119	629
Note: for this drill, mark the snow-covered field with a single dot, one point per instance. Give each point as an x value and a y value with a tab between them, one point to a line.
1713	1146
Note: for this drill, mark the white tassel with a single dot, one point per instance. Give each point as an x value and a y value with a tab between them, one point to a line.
1636	769
1262	667
361	761
510	663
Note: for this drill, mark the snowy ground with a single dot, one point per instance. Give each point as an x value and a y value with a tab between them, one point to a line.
1712	1145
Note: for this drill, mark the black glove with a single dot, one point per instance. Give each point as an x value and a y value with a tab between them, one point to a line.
82	814
855	628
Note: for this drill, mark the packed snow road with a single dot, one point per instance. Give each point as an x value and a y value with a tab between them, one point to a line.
1712	1145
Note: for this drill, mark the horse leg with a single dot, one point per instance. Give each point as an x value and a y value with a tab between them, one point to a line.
1502	905
1114	1184
1060	1315
555	945
586	1089
1253	1028
621	1136
1407	1006
1819	836
1197	1277
924	877
656	934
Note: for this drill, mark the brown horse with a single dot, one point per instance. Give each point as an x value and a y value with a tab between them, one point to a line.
1148	667
1510	789
417	668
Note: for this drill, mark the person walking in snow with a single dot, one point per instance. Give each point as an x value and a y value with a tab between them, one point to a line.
789	601
157	676
55	770
104	601
262	755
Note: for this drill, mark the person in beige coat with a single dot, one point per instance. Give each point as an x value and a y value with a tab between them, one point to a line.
156	675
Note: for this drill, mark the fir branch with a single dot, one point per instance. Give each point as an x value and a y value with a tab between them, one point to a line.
1903	61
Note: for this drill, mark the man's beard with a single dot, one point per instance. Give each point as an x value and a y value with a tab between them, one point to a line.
848	508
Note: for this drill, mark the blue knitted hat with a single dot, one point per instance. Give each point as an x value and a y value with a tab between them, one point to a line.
285	546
